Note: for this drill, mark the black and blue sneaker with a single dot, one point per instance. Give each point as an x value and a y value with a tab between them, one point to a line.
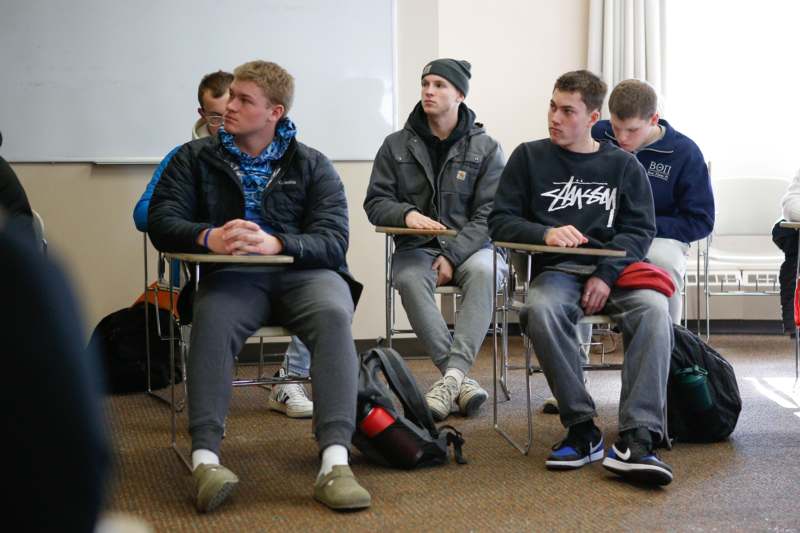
633	458
582	445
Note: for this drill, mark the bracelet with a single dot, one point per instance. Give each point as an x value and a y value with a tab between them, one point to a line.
205	239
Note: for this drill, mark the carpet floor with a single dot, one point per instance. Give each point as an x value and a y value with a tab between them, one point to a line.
751	482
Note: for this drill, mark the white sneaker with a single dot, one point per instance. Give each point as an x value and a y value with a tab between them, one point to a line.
471	397
442	398
290	399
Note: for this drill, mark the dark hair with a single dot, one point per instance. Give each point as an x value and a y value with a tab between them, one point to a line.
591	88
633	99
217	83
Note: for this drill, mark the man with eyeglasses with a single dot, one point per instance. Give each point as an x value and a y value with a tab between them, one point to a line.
253	189
212	95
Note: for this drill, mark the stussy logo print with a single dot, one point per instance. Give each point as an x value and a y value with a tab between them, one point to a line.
580	193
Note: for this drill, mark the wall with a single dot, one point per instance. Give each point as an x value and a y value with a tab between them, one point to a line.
517	49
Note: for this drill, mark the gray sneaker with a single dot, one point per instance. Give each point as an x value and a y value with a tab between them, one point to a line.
471	397
442	398
213	483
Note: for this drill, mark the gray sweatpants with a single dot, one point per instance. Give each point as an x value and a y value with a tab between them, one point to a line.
414	279
550	320
671	255
231	304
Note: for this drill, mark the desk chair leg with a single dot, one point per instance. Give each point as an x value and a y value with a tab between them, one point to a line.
522	448
388	289
147	332
708	297
796	333
502	359
504	332
685	304
697	290
173	402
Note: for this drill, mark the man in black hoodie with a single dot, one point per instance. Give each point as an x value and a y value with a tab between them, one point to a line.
441	171
568	191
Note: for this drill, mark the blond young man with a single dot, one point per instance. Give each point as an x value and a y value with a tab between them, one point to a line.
212	95
254	189
678	175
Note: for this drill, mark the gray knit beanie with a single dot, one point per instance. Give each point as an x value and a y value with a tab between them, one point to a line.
456	71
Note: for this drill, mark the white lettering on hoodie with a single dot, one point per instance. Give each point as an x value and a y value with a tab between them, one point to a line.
583	193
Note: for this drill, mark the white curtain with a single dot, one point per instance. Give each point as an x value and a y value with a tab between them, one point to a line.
627	40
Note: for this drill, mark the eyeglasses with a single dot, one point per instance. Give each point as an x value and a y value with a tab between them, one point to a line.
214	120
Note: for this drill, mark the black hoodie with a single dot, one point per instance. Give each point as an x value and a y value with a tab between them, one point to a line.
606	195
438	148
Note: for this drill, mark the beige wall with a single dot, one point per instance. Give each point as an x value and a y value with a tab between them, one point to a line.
517	49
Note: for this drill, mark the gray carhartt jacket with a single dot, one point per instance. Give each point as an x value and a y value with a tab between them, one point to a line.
402	181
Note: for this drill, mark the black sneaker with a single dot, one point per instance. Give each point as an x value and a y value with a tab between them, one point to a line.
633	458
580	447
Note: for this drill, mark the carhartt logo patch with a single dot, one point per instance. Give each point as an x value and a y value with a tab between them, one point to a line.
426	70
461	175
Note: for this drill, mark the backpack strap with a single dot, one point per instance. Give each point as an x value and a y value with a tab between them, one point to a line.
405	387
455	439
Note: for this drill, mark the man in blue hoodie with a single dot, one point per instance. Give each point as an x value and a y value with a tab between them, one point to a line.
567	191
677	172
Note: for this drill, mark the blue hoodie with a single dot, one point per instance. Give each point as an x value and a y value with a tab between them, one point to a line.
679	178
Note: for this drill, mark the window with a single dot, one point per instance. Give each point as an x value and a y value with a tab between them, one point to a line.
733	83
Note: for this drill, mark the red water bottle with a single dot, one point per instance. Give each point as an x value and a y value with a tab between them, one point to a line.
376	421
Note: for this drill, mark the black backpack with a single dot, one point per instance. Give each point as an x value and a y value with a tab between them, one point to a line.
119	338
703	401
385	436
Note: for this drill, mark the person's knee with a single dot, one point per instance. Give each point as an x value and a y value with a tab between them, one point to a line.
538	312
332	315
653	308
479	266
410	281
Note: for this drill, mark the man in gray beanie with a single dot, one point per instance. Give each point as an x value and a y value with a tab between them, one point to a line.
441	171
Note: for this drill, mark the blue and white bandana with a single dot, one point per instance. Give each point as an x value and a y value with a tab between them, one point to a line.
256	172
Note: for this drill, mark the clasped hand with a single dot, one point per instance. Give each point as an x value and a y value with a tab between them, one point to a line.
242	237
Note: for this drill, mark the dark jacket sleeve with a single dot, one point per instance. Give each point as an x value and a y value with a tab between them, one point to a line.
634	224
325	232
694	200
14	201
474	234
509	220
382	203
174	207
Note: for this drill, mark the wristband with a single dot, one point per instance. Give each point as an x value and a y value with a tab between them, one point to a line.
205	239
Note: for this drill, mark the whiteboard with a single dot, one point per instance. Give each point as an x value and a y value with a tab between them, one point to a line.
115	81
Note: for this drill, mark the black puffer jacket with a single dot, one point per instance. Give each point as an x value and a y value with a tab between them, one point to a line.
304	202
